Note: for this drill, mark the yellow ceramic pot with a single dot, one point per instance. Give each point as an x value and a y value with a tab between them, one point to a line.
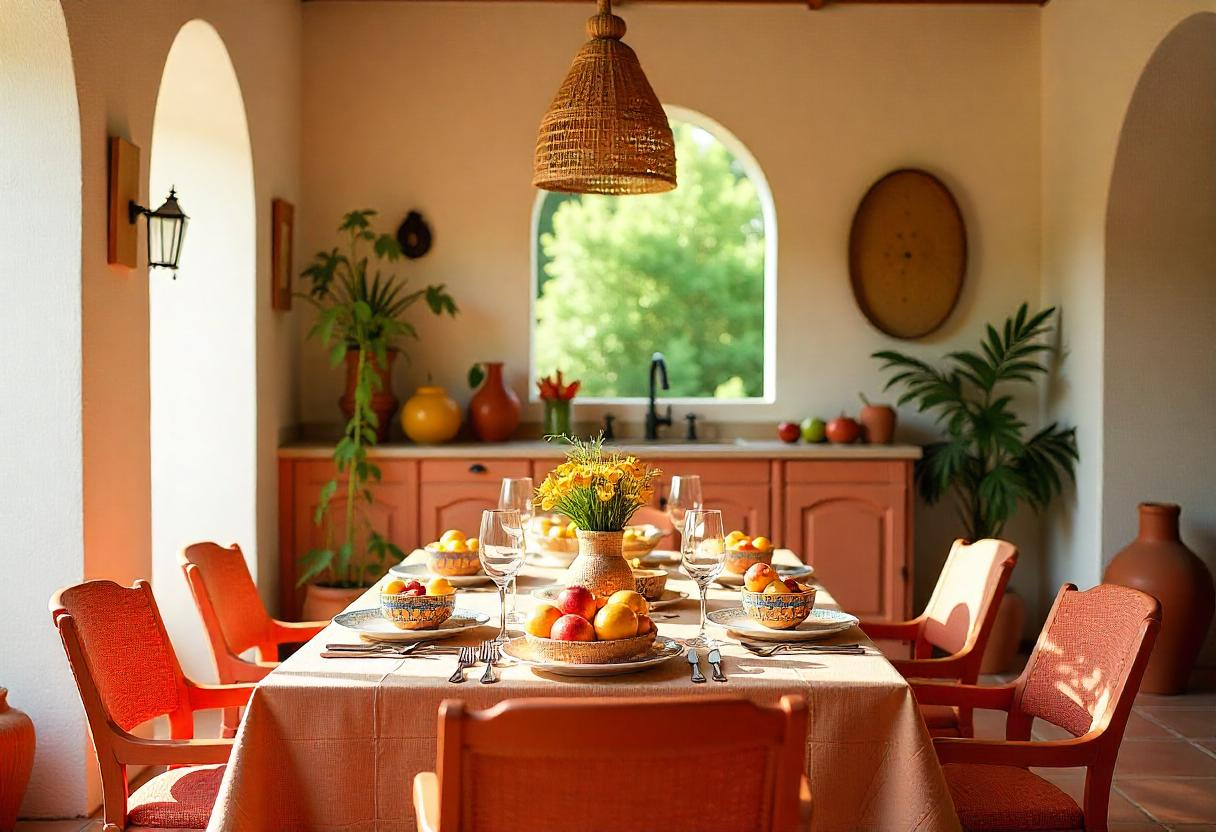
430	416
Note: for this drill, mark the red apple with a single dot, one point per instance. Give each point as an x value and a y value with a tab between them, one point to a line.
758	576
793	585
789	432
415	592
572	628
414	584
745	545
577	600
843	431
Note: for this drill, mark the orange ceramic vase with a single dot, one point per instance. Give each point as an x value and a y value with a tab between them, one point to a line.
494	408
16	759
1159	563
430	416
877	424
384	403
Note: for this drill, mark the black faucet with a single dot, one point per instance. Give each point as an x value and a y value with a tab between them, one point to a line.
653	419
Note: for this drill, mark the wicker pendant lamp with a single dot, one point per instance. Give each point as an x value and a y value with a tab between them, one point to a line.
605	132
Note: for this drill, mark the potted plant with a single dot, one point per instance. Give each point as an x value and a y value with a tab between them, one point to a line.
986	464
359	318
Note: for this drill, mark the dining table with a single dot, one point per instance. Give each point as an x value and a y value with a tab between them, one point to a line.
334	743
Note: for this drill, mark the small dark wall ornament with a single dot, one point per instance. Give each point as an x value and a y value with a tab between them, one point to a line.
414	235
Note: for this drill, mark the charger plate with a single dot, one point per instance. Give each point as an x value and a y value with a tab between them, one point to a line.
783	571
819	624
664	650
670	596
372	625
419	572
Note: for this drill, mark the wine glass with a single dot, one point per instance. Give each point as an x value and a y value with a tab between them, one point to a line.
502	554
685	494
702	553
516	493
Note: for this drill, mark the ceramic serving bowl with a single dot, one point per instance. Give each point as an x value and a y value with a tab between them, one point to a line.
452	564
640	540
778	612
417	612
736	562
650	583
591	652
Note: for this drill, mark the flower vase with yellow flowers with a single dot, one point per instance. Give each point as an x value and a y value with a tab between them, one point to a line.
599	491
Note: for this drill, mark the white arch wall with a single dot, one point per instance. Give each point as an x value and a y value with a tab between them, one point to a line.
202	330
41	516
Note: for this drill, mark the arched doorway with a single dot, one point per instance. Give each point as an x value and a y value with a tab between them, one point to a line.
1159	366
202	329
41	515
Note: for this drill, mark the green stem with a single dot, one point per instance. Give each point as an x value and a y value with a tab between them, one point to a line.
352	474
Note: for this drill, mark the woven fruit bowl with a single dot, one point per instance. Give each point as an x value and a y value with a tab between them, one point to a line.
737	562
417	612
591	652
640	540
650	583
451	564
782	611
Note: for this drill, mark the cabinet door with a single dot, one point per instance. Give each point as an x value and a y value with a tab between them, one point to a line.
855	535
446	505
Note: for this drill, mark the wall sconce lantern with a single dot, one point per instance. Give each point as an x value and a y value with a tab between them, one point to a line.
166	228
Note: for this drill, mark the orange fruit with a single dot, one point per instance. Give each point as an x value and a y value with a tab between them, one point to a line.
439	586
615	621
541	620
393	587
777	588
630	599
762	543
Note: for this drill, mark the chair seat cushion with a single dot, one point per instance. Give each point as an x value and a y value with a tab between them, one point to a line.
939	716
181	798
1007	798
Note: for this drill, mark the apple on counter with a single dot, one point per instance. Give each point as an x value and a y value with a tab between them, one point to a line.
813	430
788	432
843	430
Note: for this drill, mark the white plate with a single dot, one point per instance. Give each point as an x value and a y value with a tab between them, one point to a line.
783	571
419	572
664	649
670	596
371	624
659	557
549	560
819	624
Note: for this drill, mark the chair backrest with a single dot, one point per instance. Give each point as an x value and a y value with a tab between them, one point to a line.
679	764
1086	667
227	598
963	608
121	656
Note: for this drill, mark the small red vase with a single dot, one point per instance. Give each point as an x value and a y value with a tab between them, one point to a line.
494	409
16	759
1159	563
384	403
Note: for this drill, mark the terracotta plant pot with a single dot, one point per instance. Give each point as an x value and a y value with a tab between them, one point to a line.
877	424
431	416
1159	563
384	403
16	759
1001	654
600	565
322	603
494	409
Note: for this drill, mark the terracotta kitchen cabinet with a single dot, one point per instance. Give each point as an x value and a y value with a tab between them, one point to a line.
453	493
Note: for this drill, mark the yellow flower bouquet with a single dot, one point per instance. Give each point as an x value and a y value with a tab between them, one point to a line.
598	490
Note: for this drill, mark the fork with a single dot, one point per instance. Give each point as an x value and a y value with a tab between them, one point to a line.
488	653
842	649
463	660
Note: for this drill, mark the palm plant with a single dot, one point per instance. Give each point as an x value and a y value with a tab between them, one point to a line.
985	463
356	311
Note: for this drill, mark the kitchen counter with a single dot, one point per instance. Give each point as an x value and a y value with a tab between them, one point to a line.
532	449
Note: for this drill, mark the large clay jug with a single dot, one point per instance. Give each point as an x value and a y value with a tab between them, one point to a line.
16	759
494	408
430	416
384	403
1159	563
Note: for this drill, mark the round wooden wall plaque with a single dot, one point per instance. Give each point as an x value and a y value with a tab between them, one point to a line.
907	253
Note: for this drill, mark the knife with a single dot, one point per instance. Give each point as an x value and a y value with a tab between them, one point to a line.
697	675
715	661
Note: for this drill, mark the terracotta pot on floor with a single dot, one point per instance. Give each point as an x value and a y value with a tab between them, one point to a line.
322	603
494	408
1159	563
1006	637
16	759
384	403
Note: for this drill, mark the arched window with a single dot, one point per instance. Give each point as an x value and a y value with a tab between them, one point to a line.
689	273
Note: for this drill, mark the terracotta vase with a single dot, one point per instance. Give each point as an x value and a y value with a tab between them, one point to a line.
1159	563
877	424
600	565
322	603
1000	656
16	759
494	409
384	403
431	416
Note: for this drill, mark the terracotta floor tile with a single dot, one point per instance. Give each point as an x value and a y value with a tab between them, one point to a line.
1210	745
1196	723
1136	826
1191	800
1206	698
1140	726
1163	758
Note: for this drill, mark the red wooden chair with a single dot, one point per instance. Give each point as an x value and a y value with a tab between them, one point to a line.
235	618
677	765
128	674
1082	676
957	621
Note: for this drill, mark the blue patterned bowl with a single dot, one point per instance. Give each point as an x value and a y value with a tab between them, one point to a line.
778	612
417	612
452	564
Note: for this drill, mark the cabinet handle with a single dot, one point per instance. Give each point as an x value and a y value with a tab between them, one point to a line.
477	468
663	503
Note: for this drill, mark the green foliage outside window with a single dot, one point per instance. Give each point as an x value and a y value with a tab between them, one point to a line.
680	272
